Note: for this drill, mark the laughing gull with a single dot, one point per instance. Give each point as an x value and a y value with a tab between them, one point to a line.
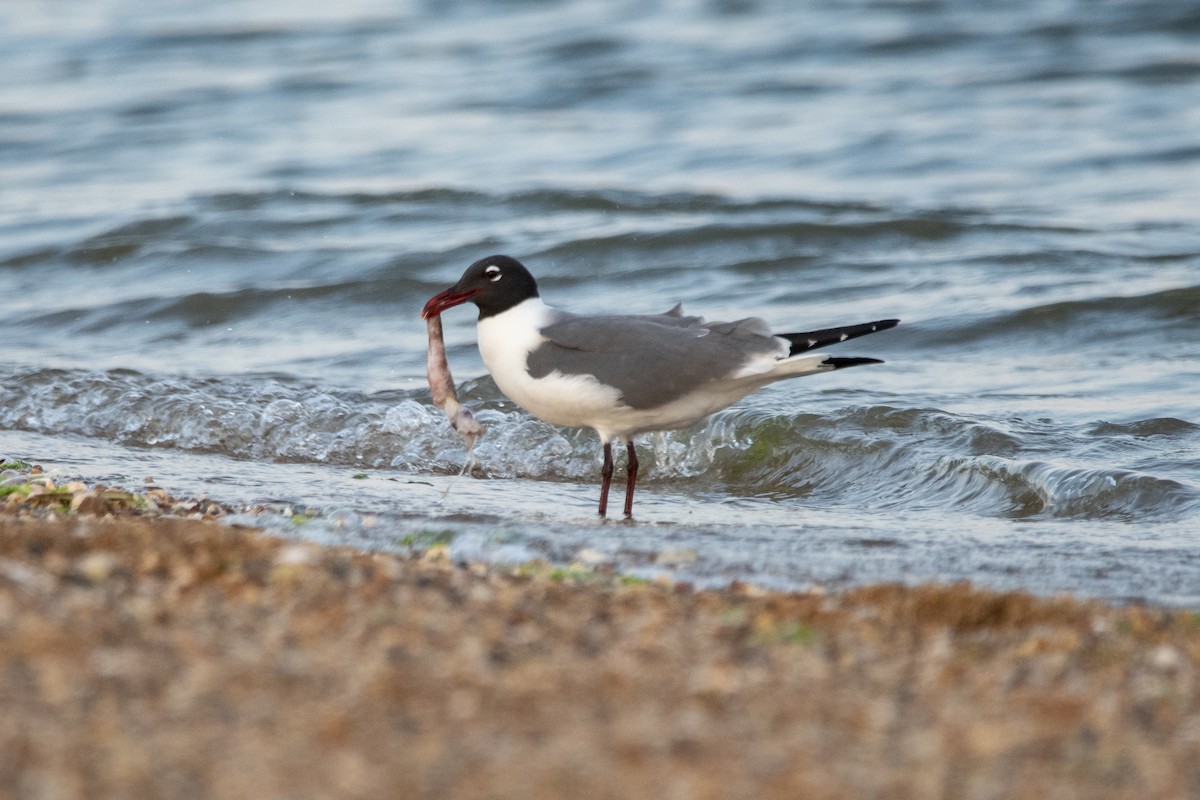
626	374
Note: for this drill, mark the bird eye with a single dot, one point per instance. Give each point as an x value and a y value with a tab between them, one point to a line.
492	273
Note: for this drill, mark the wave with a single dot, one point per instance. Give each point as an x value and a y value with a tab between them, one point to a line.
203	309
271	418
922	458
260	214
876	457
233	255
333	237
1097	320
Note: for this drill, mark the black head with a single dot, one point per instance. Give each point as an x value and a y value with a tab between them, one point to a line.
495	284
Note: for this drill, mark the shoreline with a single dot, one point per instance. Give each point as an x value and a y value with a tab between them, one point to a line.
158	656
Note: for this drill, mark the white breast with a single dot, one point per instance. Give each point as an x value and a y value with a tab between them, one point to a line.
505	341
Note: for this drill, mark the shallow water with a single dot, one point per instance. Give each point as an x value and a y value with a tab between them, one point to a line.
219	221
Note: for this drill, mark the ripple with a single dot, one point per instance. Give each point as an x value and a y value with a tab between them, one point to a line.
871	457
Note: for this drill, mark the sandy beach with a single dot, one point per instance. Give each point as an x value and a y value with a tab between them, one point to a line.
146	655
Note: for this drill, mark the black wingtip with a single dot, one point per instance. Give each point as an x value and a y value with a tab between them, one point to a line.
810	340
842	363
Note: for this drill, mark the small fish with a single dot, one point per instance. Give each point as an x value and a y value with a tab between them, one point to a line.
441	384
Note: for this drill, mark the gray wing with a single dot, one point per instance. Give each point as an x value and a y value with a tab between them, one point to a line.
651	359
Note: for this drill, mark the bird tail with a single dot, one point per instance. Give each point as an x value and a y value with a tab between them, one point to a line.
842	363
812	363
809	340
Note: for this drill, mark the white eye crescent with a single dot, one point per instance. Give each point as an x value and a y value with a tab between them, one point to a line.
492	273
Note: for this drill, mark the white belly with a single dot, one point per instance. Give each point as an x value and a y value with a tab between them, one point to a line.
582	401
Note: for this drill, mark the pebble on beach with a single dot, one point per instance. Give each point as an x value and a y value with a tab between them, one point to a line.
143	653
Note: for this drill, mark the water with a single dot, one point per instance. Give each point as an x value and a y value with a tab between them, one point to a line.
219	221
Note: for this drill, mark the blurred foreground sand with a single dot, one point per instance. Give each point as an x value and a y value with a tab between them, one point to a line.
169	658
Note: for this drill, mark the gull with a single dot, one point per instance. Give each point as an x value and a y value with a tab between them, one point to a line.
625	374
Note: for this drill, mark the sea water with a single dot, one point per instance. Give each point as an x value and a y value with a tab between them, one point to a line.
219	222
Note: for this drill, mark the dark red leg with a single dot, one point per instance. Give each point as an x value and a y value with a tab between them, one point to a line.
605	478
631	470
